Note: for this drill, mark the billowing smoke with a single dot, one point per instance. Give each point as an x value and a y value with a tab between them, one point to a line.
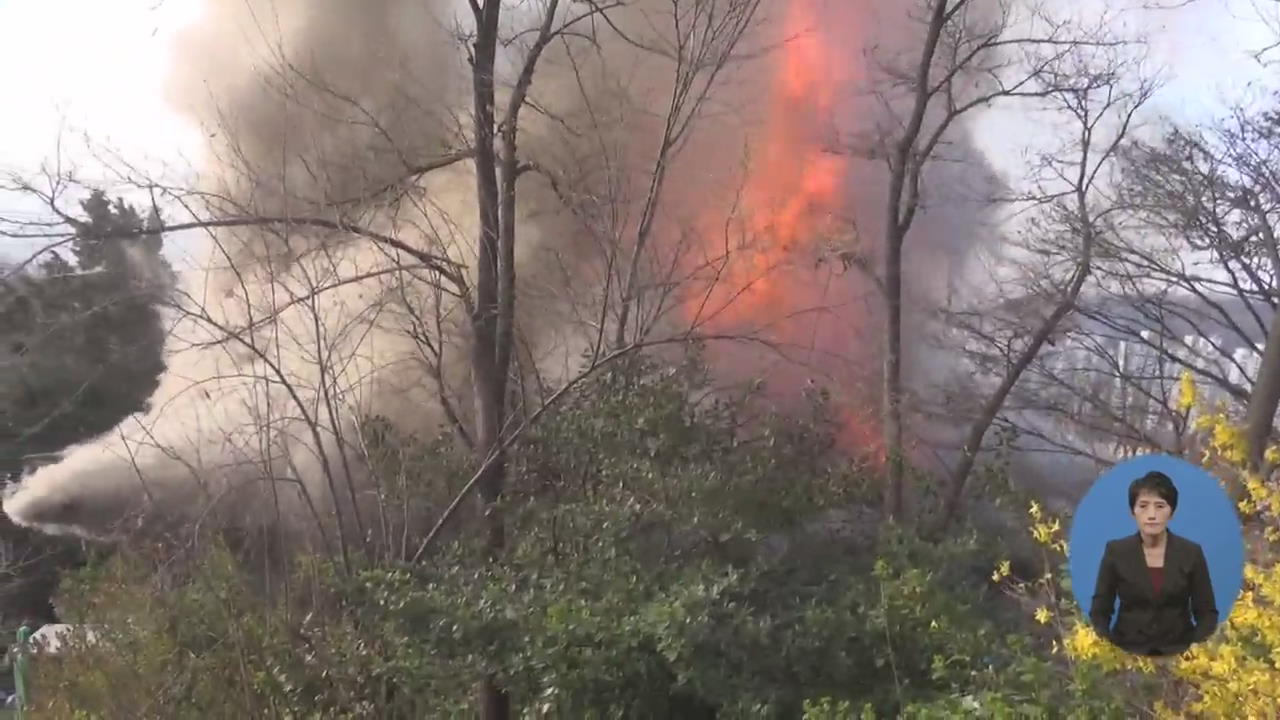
293	334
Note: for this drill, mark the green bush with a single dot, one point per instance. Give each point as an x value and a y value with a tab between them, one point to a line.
634	588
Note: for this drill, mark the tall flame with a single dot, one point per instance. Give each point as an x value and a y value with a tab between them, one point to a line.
791	202
793	184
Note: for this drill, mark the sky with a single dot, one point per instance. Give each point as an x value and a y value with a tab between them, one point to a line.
71	67
89	65
74	66
1203	53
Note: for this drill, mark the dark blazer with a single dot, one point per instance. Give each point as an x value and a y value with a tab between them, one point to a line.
1148	624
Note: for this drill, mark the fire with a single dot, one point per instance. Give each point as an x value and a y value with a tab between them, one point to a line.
794	184
791	200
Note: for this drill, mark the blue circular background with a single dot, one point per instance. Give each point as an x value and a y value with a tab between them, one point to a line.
1205	514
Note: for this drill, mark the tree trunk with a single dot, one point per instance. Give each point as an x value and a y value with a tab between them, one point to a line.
494	702
906	166
1264	397
987	415
488	357
892	378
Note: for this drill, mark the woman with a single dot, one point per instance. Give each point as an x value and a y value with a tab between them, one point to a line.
1162	579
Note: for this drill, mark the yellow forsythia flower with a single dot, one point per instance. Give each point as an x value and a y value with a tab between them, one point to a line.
1272	456
1236	674
1043	616
1045	532
1186	391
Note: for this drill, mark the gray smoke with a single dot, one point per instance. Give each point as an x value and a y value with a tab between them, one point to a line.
287	339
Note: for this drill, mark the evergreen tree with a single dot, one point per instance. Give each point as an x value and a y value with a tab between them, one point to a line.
81	347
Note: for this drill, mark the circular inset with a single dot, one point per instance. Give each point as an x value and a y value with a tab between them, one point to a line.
1160	573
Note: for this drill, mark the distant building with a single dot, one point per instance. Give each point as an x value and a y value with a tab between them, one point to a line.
1130	359
1110	372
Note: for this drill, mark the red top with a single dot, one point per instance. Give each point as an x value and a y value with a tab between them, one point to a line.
1157	577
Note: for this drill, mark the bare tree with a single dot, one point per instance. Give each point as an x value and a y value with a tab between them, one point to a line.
972	55
1268	13
293	222
1076	204
1217	192
1183	282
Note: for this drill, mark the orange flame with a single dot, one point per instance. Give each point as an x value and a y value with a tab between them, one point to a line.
794	188
793	184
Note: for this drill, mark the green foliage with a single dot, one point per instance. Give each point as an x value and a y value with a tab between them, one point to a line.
112	231
635	587
81	347
645	451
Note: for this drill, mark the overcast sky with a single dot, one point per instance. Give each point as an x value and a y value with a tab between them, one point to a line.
72	67
1204	52
99	66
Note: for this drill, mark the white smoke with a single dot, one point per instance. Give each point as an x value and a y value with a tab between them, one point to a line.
289	337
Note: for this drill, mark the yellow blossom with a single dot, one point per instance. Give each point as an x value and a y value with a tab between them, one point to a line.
1045	532
1272	455
1002	571
1186	391
1236	673
1084	645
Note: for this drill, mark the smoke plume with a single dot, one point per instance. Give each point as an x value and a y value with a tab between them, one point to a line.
290	337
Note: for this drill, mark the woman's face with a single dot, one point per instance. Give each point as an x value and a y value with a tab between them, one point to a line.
1151	513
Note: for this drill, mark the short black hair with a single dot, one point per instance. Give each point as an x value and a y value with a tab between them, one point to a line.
1156	483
